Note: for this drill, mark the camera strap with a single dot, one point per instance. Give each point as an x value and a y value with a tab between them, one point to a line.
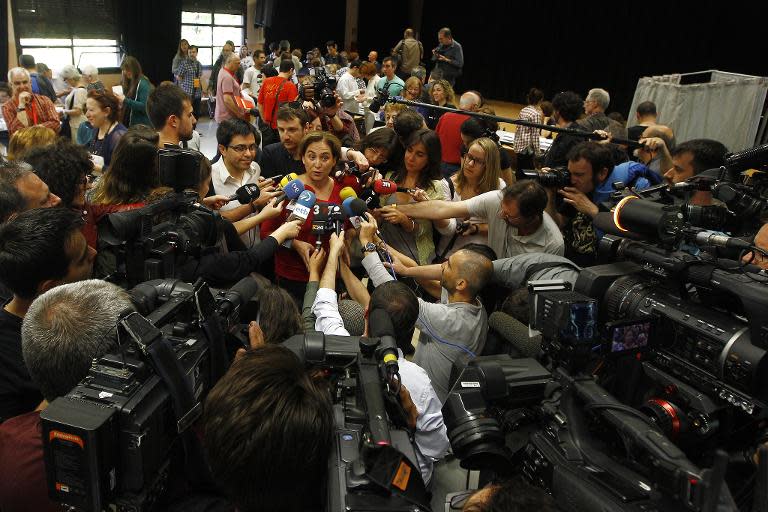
277	97
536	267
168	368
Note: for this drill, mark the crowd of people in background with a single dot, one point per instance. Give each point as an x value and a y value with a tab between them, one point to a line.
456	215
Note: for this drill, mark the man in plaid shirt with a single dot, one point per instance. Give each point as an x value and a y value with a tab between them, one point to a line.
526	136
26	108
190	71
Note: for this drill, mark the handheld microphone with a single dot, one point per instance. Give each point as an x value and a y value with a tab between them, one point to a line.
347	192
301	210
336	217
371	198
292	190
287	179
385	187
354	218
246	194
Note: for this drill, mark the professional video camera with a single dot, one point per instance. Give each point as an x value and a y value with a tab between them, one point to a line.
322	89
373	464
154	241
740	187
108	444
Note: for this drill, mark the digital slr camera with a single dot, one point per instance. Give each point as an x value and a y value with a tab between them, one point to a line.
322	89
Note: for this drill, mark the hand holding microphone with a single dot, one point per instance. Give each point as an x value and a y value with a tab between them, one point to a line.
291	190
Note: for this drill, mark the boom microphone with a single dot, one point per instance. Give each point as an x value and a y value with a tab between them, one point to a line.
515	333
246	194
237	296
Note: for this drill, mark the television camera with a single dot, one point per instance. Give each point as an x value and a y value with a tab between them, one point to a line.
652	368
321	90
110	442
373	464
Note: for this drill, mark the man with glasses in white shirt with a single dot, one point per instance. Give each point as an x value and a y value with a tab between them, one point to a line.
238	144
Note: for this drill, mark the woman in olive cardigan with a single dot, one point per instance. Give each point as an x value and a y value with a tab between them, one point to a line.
136	89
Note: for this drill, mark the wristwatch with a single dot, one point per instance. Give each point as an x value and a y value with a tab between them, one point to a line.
369	247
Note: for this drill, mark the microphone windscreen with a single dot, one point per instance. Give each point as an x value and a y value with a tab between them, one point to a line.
247	193
347	192
346	206
306	198
353	316
242	291
515	333
384	187
287	179
358	207
294	189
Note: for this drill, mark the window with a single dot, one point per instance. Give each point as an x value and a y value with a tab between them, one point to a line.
61	32
209	24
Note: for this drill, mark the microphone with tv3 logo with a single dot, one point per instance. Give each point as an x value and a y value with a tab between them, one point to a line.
301	210
246	194
291	190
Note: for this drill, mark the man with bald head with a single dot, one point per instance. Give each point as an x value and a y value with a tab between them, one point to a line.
26	108
458	324
449	131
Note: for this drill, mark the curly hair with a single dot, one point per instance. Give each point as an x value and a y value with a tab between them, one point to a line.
63	166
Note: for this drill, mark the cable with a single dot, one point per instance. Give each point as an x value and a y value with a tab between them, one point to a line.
439	339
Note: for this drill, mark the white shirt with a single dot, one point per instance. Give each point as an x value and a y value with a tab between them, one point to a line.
253	77
431	434
225	185
347	89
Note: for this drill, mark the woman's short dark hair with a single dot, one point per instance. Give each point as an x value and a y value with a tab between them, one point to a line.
534	96
383	138
279	317
106	99
328	138
62	166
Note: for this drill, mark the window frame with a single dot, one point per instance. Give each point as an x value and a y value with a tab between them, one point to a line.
211	9
21	48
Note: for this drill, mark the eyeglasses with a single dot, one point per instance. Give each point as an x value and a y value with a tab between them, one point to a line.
242	148
472	159
378	154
